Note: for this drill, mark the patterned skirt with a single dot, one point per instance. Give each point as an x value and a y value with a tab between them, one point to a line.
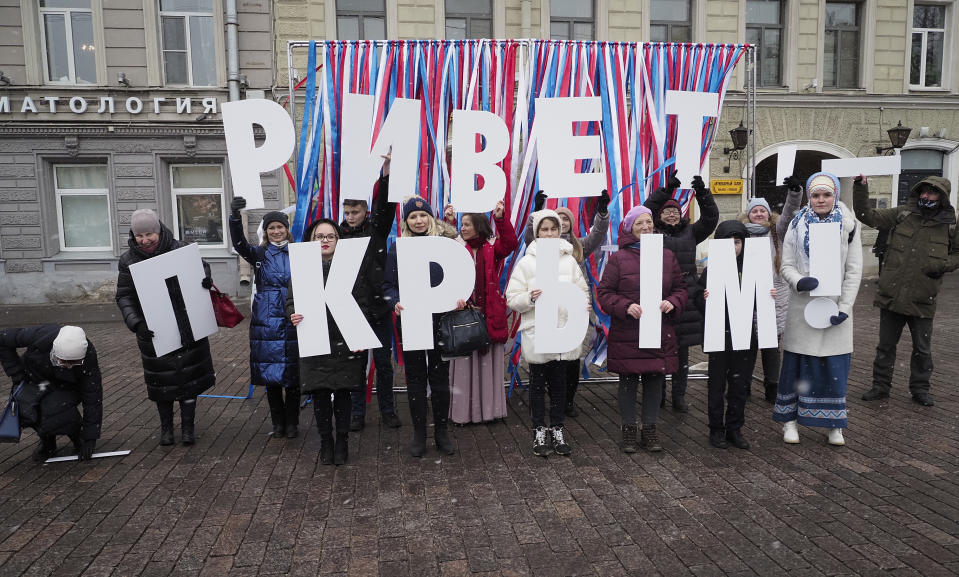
812	390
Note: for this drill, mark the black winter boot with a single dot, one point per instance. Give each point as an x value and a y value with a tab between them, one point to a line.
628	445
165	408
292	412
326	450
46	449
274	396
187	415
649	439
679	403
418	416
341	450
441	411
770	391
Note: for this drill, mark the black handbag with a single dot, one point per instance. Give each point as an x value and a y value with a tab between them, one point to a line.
28	397
10	419
461	333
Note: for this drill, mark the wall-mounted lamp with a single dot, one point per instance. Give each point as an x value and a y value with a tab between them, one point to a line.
122	79
898	135
740	138
4	79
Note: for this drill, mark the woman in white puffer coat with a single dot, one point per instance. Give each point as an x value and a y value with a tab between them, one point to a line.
547	372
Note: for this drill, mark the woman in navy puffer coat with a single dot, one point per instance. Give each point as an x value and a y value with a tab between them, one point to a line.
274	356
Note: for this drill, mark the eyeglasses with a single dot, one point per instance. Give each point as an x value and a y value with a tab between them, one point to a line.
325	237
672	211
69	364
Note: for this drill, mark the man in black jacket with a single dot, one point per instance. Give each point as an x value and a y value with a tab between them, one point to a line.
376	225
59	371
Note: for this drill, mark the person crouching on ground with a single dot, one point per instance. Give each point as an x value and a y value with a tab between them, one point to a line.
816	362
547	372
59	371
618	294
343	371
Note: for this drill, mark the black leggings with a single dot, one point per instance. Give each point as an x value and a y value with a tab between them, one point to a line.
547	378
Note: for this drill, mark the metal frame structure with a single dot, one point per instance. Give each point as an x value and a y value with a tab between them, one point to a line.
750	93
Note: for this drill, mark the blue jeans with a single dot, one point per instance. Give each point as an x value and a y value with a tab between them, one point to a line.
383	362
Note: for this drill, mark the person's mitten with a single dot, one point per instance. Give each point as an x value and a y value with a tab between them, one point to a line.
837	319
238	204
602	205
539	201
806	284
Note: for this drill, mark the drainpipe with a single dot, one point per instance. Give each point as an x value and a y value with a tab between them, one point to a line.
525	24
232	59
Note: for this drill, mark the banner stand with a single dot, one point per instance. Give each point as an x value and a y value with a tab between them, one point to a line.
249	395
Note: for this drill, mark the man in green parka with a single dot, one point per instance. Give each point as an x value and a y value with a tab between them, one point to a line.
923	246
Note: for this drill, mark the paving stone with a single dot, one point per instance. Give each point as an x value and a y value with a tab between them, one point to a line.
240	503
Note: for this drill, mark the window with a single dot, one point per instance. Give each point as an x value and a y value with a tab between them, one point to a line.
469	19
764	30
669	21
83	207
841	58
69	53
361	19
571	19
198	203
189	51
928	39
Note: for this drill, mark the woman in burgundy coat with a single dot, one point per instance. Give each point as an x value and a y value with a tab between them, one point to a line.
476	382
618	294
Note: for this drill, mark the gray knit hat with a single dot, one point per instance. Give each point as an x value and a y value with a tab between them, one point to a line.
144	221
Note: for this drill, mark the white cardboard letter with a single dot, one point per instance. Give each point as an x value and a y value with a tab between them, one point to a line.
785	162
311	296
149	278
361	158
725	292
247	160
868	166
419	299
467	163
550	337
824	259
690	108
651	291
558	149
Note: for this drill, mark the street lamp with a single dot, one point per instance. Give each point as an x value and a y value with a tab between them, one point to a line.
740	138
898	135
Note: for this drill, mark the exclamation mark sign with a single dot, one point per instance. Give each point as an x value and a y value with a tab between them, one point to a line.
826	267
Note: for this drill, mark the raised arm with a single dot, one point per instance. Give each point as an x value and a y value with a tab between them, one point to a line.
597	233
708	211
238	239
880	218
383	211
794	192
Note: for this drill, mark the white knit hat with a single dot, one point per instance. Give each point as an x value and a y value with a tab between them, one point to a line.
539	215
70	344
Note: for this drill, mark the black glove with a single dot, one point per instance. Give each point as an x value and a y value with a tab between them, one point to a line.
602	205
85	449
858	179
539	201
144	333
806	284
206	283
673	183
837	319
238	204
698	185
934	274
792	183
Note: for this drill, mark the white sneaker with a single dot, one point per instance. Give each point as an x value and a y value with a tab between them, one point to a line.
791	432
835	437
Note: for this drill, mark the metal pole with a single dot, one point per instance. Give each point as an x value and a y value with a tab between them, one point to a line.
752	155
232	58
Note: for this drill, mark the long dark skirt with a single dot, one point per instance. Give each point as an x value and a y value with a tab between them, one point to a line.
812	390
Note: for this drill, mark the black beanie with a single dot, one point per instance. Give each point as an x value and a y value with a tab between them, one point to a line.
276	216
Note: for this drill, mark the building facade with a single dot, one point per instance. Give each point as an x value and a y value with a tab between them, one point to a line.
107	106
832	76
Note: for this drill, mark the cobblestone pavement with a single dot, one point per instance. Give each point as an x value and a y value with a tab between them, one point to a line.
240	503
